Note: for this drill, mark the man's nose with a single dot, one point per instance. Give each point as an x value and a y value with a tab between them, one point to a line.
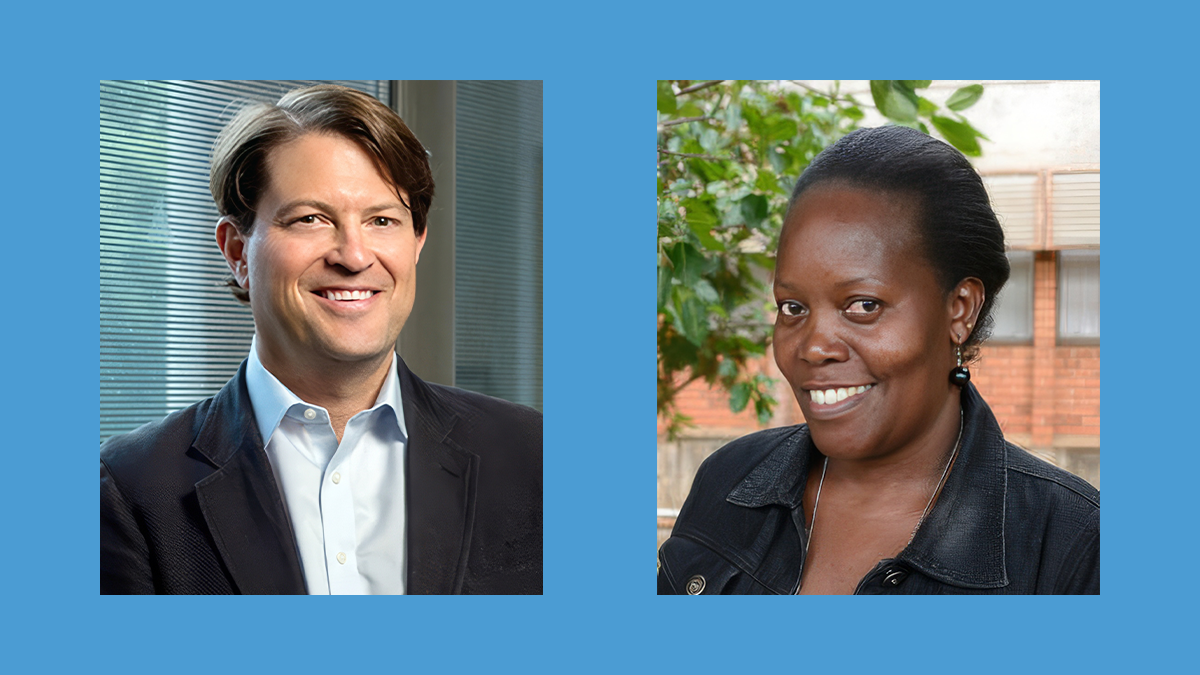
352	249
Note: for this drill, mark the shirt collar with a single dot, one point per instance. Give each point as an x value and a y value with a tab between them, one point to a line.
271	400
961	542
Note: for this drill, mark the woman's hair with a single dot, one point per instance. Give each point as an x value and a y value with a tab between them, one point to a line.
960	234
239	157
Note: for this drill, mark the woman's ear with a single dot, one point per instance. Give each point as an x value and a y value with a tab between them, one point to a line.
233	246
965	305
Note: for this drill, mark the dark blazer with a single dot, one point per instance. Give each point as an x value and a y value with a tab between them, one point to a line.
1005	523
190	504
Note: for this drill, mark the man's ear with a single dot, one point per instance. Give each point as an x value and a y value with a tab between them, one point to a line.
233	246
420	245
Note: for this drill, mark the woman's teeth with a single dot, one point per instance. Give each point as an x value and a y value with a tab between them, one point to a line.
834	395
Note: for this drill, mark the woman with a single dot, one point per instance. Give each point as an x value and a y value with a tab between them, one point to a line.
889	263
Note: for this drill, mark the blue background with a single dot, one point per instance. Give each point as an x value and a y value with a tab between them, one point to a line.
599	612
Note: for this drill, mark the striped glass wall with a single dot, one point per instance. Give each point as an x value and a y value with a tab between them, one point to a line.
498	240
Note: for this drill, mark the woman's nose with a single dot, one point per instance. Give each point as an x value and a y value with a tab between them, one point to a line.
819	342
351	250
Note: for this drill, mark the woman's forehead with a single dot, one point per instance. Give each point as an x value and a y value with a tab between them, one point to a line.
849	233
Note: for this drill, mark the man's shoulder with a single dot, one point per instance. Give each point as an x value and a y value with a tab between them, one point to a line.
476	419
152	447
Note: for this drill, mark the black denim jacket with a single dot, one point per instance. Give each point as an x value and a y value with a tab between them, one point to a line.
1005	523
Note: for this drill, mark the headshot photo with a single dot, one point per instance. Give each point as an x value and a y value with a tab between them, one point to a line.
878	337
321	337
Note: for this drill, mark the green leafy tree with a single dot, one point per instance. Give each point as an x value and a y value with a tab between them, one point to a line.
729	153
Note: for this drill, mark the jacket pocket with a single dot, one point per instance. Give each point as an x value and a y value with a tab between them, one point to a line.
690	568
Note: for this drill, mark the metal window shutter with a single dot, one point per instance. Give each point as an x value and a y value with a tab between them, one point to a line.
1015	201
1075	210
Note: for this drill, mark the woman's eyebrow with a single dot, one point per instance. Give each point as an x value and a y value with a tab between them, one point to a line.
857	280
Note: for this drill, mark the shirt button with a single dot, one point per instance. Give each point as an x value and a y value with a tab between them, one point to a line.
337	478
894	577
341	558
310	414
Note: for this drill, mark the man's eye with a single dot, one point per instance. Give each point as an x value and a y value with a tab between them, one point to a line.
863	307
381	221
308	220
791	308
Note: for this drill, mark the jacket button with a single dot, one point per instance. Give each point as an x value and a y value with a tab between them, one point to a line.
695	585
894	577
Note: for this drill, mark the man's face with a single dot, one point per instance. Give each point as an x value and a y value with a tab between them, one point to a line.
330	263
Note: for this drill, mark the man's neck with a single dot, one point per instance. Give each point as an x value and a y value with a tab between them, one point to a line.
342	388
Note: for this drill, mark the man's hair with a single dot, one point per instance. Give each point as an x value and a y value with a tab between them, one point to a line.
959	230
239	157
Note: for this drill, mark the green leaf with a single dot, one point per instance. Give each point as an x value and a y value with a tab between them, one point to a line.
705	291
754	210
666	97
693	320
781	129
739	396
664	284
689	264
820	101
925	107
958	134
894	100
965	97
766	181
763	410
690	109
853	113
702	218
728	368
916	84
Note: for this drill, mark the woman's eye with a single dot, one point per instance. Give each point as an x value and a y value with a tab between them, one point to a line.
863	307
791	308
307	220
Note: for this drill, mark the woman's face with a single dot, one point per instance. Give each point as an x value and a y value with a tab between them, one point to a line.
861	315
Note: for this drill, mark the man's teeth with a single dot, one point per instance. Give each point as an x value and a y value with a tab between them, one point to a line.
835	395
348	295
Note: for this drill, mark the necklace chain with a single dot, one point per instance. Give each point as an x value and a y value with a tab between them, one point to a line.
928	505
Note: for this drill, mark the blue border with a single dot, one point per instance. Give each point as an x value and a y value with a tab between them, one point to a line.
599	612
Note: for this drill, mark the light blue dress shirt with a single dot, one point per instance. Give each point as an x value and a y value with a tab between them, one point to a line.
345	501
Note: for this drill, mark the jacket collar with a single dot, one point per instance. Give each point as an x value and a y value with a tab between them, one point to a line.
241	502
961	541
244	508
440	485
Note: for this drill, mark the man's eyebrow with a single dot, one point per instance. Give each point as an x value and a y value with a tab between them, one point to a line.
291	206
322	206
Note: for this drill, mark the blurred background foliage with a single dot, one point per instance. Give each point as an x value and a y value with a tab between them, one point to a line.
729	152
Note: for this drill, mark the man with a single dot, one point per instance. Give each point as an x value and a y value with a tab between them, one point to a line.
324	466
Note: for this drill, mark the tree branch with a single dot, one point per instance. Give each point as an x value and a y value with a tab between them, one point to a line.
695	156
684	120
829	95
698	87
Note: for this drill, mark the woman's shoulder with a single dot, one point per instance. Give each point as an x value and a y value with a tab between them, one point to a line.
1049	481
732	462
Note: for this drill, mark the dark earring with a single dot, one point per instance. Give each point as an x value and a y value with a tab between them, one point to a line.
959	374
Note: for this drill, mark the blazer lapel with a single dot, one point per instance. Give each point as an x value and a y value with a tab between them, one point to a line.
241	503
440	484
